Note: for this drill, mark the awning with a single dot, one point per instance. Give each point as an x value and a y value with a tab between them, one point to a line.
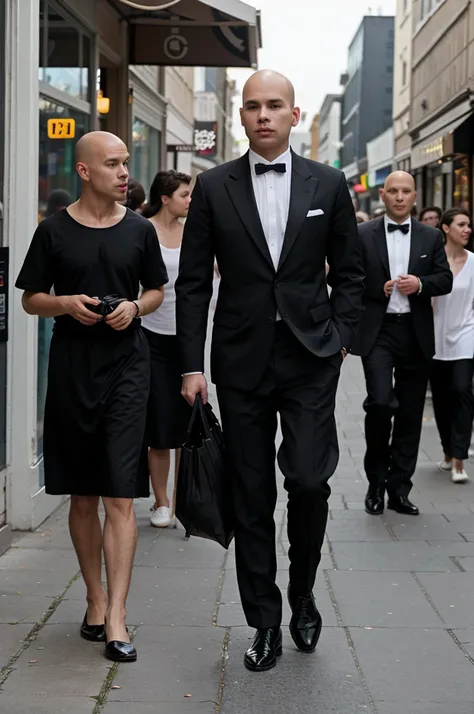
454	138
196	33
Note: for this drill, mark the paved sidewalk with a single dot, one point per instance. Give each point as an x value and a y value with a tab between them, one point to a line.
396	595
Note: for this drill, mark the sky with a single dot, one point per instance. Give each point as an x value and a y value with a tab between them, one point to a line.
307	41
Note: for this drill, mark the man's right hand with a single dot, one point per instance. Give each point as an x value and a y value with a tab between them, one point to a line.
192	385
75	306
388	287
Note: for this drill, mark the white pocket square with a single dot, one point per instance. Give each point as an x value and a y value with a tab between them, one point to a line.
315	212
423	256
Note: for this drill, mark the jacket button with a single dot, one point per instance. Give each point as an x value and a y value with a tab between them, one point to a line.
277	285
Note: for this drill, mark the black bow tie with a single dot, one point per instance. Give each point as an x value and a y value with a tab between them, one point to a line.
404	228
263	168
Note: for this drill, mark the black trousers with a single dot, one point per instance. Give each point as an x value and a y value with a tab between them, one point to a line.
453	403
396	374
302	389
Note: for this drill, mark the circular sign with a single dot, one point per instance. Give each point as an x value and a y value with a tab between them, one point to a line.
175	47
150	5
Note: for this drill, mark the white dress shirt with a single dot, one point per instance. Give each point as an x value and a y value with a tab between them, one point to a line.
398	247
272	194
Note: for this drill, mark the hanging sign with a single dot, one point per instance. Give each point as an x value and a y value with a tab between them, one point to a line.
61	128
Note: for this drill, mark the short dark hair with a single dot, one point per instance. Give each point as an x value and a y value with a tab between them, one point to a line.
165	183
448	216
430	209
135	195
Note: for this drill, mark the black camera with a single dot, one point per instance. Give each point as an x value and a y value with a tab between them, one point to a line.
107	305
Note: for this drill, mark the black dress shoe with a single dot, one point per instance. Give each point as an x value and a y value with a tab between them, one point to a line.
120	651
306	622
374	501
93	633
263	653
402	504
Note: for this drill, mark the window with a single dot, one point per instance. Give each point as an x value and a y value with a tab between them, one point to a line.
404	73
65	53
427	7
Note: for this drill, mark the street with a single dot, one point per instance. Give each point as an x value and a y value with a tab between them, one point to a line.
395	595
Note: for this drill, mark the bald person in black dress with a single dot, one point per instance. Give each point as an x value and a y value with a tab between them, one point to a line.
99	372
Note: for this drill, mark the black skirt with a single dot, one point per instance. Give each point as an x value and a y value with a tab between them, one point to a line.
95	415
168	412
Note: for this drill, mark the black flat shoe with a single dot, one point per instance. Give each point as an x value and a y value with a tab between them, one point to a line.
120	651
263	653
374	501
93	633
306	622
402	504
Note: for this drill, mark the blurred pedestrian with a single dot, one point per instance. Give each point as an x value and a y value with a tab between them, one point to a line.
405	266
135	196
98	379
168	412
58	199
362	217
452	368
430	216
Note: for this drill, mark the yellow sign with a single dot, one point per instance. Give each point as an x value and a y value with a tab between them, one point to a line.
61	128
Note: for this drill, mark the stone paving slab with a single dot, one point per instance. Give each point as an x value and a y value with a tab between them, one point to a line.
368	599
452	595
410	665
189	706
11	639
19	703
394	556
173	662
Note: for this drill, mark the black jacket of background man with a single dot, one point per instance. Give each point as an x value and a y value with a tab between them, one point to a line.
224	223
427	261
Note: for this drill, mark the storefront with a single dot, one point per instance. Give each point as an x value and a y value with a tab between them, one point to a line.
55	55
442	163
148	130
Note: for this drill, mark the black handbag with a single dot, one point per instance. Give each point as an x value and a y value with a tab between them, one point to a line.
203	497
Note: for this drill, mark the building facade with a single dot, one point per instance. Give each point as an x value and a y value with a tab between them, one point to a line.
214	94
330	130
402	84
442	102
367	98
55	58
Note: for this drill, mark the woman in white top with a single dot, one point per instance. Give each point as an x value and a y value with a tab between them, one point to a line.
453	364
168	412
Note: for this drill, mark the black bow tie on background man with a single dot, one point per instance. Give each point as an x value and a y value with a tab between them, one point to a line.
263	168
404	228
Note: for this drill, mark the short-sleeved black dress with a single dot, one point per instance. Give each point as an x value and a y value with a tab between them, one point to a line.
98	378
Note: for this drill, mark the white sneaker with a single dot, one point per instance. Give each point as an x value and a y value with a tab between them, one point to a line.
459	476
161	517
445	465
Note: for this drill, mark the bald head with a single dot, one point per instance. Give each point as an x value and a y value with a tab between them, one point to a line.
101	162
399	195
399	177
94	145
269	79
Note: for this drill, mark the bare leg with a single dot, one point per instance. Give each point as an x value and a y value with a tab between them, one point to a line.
120	540
177	457
159	465
86	535
458	465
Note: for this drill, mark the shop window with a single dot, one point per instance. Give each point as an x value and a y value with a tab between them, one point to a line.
56	171
145	154
461	182
65	53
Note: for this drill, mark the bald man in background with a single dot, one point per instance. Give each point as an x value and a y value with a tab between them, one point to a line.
271	218
98	378
406	266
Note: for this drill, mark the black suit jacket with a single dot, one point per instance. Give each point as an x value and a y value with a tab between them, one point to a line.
427	261
223	222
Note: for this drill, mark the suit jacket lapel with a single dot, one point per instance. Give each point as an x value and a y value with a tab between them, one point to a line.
303	187
380	241
416	239
240	189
